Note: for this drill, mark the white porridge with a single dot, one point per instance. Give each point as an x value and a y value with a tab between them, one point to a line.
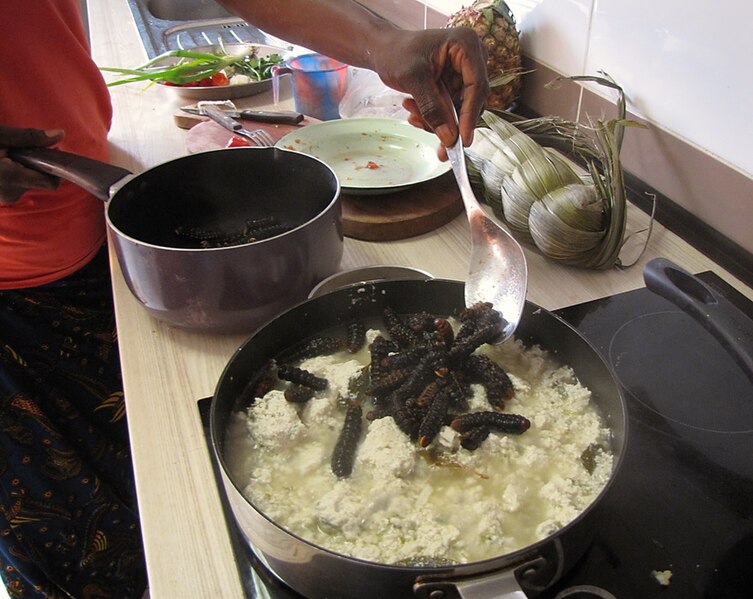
442	503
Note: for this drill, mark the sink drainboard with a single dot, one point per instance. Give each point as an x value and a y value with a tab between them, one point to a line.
203	34
161	35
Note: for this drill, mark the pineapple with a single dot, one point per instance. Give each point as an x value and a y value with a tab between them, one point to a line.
494	23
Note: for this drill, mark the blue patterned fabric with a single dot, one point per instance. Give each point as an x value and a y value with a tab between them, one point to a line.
68	523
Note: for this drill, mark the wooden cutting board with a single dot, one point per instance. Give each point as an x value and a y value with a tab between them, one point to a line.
386	217
413	211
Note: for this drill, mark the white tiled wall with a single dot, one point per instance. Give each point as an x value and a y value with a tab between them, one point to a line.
685	65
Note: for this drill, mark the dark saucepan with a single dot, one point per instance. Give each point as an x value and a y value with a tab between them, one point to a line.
219	289
316	572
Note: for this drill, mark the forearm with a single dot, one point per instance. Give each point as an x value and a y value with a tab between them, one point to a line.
341	29
434	66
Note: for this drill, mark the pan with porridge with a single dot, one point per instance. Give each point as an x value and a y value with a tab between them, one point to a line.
406	438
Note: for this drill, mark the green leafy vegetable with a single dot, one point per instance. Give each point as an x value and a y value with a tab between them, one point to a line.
192	66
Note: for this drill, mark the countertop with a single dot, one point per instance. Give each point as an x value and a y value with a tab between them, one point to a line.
166	370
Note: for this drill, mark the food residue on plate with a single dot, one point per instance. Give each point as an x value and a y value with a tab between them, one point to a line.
371	165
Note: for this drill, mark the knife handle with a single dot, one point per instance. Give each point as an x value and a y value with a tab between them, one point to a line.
281	117
222	119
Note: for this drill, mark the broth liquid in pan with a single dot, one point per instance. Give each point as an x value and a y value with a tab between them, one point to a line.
678	520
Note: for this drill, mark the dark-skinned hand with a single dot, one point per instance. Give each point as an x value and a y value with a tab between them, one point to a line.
438	68
16	179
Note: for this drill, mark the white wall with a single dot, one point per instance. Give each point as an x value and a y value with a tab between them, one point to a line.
685	65
686	70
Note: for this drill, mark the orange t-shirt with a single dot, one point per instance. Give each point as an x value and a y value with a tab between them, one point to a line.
49	81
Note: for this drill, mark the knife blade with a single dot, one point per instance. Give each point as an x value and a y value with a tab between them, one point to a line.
285	117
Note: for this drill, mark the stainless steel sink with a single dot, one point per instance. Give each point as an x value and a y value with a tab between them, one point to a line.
186	10
179	24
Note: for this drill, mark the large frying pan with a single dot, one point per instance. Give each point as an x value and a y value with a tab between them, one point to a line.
225	289
319	573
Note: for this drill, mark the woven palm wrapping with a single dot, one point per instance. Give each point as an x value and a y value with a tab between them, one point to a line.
527	171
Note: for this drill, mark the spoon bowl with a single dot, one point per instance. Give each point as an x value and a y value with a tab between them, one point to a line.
497	272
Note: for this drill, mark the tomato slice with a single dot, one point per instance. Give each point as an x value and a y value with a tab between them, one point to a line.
236	141
219	79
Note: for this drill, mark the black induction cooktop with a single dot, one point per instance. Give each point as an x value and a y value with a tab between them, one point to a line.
682	502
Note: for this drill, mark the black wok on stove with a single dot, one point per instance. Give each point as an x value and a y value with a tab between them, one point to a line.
319	573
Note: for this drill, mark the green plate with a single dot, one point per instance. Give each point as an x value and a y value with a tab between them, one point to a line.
371	155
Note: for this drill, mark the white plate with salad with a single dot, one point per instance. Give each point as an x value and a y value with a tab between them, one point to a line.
215	72
371	156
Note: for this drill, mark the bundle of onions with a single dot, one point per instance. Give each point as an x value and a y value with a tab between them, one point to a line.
572	215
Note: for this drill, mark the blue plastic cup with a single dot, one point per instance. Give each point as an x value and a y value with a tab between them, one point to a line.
318	83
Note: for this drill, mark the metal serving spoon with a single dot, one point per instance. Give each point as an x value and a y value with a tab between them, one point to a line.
497	272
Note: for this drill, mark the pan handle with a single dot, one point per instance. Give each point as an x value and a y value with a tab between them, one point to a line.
92	175
717	314
498	585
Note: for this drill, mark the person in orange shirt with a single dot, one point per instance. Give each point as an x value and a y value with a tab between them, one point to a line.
68	515
68	518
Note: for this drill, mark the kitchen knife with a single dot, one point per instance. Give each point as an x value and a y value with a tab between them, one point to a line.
261	116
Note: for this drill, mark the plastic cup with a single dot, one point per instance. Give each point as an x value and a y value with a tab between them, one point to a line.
318	83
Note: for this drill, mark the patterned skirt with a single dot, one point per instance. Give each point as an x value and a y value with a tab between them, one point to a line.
68	520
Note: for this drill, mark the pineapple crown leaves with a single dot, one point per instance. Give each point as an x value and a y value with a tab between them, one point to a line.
491	8
486	11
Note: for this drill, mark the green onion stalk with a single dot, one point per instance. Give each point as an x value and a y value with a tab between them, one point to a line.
179	67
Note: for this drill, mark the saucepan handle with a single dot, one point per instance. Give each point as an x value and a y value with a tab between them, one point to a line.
717	314
501	584
92	175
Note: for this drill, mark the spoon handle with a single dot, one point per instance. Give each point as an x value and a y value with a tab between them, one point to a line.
498	272
457	160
